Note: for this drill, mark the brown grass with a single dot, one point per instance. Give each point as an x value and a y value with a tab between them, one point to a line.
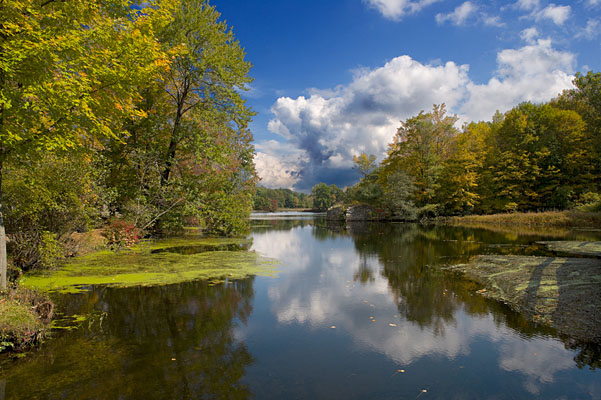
547	219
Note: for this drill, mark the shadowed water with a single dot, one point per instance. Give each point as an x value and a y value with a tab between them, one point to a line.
357	312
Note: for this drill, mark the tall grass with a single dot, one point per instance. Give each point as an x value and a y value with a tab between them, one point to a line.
557	219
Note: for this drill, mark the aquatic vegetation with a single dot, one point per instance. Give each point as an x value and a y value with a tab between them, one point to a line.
152	263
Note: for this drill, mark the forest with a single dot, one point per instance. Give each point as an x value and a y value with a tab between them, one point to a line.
121	114
266	199
534	157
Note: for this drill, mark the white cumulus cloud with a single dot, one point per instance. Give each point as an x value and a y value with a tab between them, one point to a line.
460	15
557	14
591	30
396	9
277	164
535	72
528	4
325	128
332	126
529	35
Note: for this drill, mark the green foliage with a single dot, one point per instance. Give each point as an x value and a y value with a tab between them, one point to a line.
365	164
272	199
461	175
322	197
540	157
190	157
589	201
50	192
109	110
50	250
337	194
368	191
585	99
420	147
66	70
533	157
398	195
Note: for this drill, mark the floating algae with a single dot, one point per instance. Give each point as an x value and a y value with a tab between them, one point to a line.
590	249
561	292
202	248
152	263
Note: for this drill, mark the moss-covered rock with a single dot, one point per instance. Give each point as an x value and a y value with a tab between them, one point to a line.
591	249
562	292
336	213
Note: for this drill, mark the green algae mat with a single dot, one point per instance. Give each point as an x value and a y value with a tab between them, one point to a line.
562	292
591	249
156	262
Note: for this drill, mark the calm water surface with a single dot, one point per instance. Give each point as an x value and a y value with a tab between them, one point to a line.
360	312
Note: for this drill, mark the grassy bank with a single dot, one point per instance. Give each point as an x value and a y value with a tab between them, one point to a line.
24	317
547	219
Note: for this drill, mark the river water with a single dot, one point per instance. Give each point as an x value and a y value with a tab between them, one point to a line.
358	312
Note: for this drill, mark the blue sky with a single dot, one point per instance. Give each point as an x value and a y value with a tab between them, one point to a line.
334	78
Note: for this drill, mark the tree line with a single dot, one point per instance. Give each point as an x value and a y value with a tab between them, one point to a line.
534	157
266	199
126	112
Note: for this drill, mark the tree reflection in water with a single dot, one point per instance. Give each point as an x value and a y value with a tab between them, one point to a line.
411	256
171	342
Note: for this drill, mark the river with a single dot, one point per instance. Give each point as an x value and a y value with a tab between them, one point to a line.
359	312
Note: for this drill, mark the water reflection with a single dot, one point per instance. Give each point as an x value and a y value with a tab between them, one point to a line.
383	285
351	308
171	342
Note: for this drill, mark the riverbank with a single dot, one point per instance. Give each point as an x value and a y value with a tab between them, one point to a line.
547	219
25	317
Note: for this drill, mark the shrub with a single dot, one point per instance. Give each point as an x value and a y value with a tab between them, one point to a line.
34	250
589	201
121	233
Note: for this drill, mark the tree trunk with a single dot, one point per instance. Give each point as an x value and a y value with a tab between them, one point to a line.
3	260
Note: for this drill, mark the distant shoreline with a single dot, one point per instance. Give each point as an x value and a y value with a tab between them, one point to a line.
555	219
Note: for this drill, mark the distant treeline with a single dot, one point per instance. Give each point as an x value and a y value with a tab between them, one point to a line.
273	199
534	157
